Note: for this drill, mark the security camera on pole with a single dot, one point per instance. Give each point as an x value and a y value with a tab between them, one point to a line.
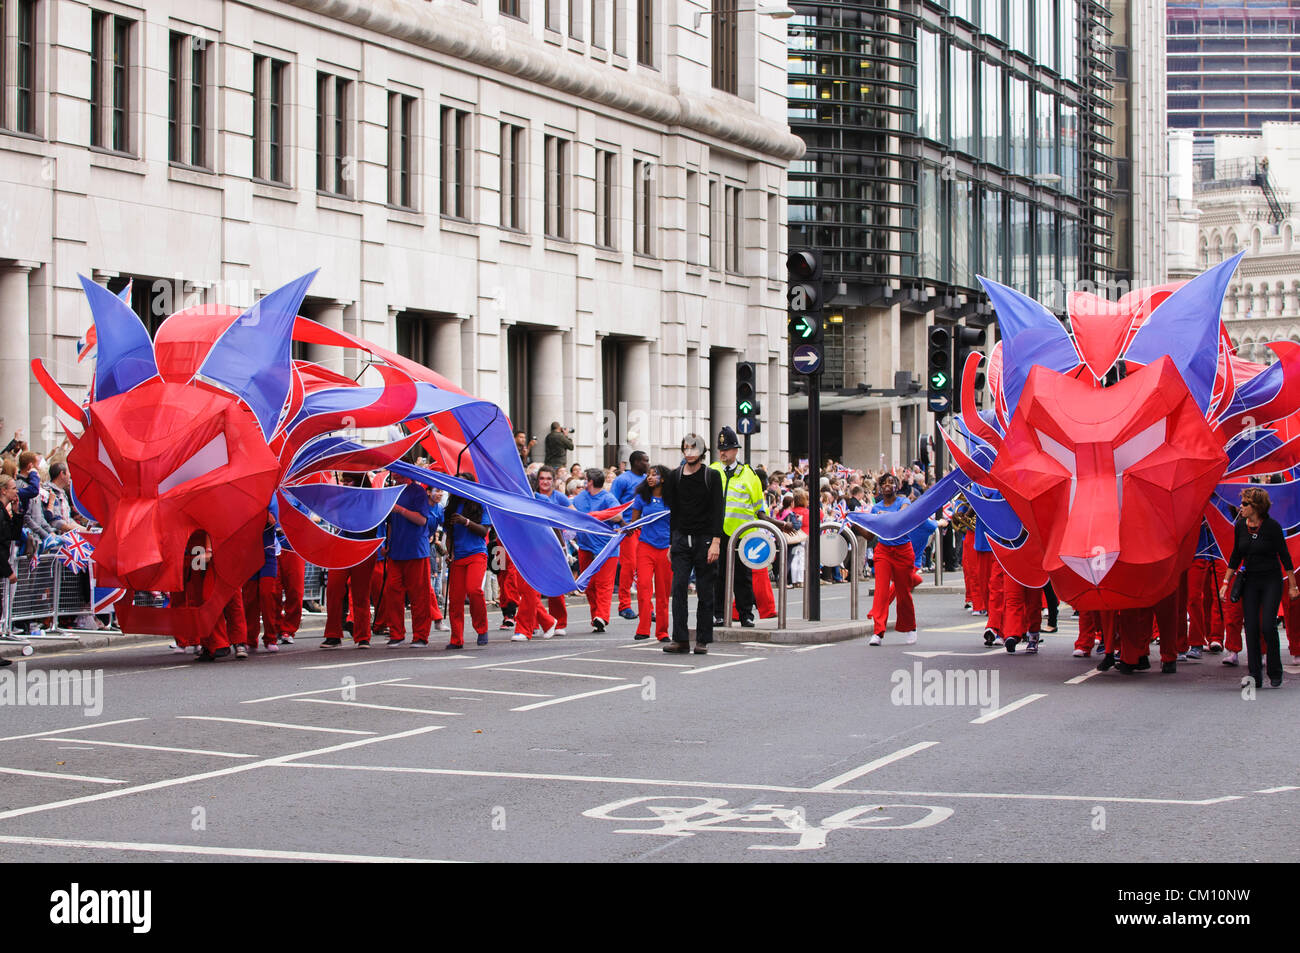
804	278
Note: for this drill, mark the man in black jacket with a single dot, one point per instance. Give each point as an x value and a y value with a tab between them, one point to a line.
693	495
557	445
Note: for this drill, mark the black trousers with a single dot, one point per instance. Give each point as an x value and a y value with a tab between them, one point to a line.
687	553
1261	592
1053	603
743	580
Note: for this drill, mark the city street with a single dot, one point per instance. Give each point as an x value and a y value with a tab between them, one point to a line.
600	748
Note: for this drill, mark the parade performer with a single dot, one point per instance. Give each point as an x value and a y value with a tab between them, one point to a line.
352	584
469	524
600	591
654	569
893	564
624	489
408	565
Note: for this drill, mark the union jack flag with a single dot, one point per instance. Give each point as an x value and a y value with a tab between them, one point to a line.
76	552
105	598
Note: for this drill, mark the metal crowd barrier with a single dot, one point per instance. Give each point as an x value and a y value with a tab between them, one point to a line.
855	568
313	584
47	591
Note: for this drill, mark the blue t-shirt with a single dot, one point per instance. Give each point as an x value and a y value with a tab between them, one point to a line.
584	502
920	538
464	543
657	533
406	539
981	537
556	497
892	508
625	484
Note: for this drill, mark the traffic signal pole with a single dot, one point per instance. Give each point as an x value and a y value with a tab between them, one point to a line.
812	575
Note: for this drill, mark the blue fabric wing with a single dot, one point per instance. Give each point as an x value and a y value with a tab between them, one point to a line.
898	524
124	353
995	512
1284	502
1031	335
610	549
1256	392
351	509
253	358
1186	328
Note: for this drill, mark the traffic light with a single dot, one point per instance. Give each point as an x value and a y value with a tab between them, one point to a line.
804	277
747	405
939	375
967	340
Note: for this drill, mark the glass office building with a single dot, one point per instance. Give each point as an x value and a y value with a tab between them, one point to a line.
948	140
1232	65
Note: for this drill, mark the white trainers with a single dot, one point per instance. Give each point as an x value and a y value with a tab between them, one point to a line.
178	650
874	640
1080	653
272	647
909	638
287	639
1230	658
560	632
518	637
441	626
547	633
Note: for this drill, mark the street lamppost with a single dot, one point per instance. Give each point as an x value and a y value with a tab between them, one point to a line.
780	12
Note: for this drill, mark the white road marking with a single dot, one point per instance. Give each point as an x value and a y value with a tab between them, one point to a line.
322	691
61	777
150	671
655	647
1005	709
633	661
1079	679
418	711
64	731
206	775
813	648
996	651
257	852
847	776
527	661
123	744
964	627
1285	787
547	671
478	691
574	698
275	724
714	668
383	661
782	789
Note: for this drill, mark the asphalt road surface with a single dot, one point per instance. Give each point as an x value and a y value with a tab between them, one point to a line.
598	747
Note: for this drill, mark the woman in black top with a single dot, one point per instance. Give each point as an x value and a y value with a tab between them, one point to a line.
1258	541
11	531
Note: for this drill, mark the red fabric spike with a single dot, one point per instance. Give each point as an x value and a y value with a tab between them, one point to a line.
319	547
56	393
359	461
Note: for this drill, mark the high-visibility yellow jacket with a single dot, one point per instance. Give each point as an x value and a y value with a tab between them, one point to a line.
742	496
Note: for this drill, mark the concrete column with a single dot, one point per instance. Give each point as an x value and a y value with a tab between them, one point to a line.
329	314
545	386
15	354
635	433
445	350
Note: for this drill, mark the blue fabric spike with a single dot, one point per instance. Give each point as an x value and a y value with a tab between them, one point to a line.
253	358
1284	501
1186	328
351	509
610	550
124	353
996	513
1031	335
1256	392
495	457
1248	447
1206	546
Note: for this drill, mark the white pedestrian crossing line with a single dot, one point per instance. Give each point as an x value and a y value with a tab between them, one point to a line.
124	744
842	779
418	711
1007	709
633	661
714	668
62	777
64	731
546	671
258	853
477	691
322	691
275	724
528	661
1080	679
574	698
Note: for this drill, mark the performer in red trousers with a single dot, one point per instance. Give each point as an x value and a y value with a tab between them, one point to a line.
893	562
261	595
1292	616
600	589
544	489
1022	615
654	571
468	525
1202	604
1096	626
355	584
293	572
408	566
968	569
624	489
998	582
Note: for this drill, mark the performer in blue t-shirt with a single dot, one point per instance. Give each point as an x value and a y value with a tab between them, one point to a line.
468	522
408	566
654	570
600	591
893	564
624	488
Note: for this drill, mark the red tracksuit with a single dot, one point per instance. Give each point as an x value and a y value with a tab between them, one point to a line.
968	566
465	583
1202	602
408	579
983	570
628	569
1292	620
1096	624
229	629
529	615
261	597
600	590
355	582
894	565
557	607
1022	609
654	575
998	582
293	571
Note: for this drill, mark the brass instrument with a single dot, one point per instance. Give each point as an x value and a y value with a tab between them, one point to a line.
963	522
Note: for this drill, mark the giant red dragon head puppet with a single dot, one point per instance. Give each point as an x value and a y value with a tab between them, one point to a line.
187	441
1113	454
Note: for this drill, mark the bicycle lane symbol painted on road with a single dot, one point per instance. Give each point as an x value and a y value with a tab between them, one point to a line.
689	816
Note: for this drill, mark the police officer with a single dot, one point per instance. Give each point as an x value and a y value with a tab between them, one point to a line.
742	501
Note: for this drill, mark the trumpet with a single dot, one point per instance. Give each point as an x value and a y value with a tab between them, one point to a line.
963	522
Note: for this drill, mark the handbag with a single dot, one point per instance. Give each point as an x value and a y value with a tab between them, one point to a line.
795	538
1238	582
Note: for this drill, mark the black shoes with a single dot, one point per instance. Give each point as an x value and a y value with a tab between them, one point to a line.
1168	668
1011	643
1107	663
677	648
990	636
719	622
701	649
331	643
639	637
747	623
597	625
1144	663
1124	668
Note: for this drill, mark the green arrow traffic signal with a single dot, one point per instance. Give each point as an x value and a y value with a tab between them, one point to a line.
939	380
745	407
804	327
